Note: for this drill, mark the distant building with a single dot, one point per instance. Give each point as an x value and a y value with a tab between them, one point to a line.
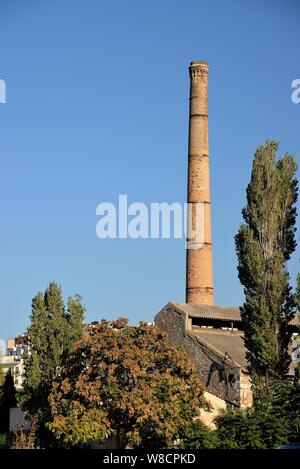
13	359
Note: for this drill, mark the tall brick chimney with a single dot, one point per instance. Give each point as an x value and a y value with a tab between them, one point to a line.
199	272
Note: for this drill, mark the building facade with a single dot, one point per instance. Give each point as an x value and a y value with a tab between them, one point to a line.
13	359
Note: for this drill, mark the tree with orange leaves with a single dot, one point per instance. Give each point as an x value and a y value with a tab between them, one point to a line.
126	381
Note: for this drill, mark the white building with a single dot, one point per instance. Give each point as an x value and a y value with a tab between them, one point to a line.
13	359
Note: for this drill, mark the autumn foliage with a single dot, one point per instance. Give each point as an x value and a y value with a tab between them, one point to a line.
127	381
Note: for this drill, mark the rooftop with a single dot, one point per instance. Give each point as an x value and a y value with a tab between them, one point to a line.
226	313
229	345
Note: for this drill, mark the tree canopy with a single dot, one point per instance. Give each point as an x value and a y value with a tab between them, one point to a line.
53	331
128	381
264	244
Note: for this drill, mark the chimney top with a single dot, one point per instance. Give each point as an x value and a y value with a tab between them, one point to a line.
199	62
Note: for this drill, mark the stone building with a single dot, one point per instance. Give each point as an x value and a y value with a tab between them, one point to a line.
212	336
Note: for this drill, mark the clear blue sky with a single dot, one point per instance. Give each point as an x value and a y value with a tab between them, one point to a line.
97	105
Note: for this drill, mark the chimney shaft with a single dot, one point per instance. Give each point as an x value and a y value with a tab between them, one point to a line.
199	275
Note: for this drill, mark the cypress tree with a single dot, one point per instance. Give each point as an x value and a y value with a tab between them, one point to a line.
74	320
264	244
54	304
52	333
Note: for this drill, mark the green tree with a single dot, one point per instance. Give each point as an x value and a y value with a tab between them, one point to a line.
286	404
75	320
267	424
264	244
127	381
298	292
297	340
196	435
252	429
52	333
7	400
2	377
